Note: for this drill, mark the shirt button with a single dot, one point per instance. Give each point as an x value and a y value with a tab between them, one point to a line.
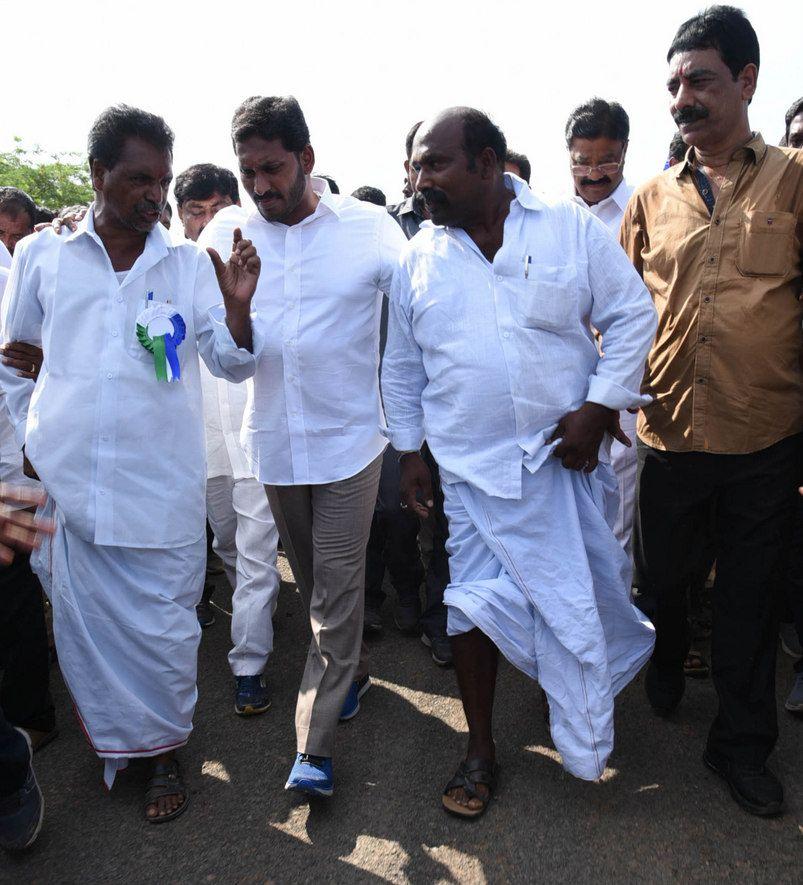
109	375
498	278
115	333
119	300
101	491
701	380
506	334
717	220
712	259
703	339
707	299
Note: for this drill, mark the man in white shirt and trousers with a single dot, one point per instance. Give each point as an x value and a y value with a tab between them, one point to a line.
491	359
246	537
114	429
597	134
313	428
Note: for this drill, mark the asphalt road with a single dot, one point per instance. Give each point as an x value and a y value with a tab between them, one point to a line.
657	815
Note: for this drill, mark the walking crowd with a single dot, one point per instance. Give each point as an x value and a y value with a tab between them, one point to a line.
588	413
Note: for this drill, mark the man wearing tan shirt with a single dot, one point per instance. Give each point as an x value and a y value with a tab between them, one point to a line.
717	241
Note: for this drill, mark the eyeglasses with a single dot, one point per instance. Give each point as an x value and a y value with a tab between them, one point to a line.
604	168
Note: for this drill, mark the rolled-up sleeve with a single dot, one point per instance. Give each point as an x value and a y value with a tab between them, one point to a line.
403	374
623	312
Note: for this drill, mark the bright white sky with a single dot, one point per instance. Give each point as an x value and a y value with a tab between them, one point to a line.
365	70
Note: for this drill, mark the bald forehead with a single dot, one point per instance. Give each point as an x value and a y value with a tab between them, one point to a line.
441	132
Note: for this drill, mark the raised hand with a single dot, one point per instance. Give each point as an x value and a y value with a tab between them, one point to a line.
238	277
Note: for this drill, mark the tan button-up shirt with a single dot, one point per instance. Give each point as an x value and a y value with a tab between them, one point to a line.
725	368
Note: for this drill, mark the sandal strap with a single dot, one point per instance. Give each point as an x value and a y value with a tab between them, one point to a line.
470	774
165	781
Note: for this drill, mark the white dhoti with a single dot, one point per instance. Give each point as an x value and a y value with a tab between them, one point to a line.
624	461
546	580
246	539
127	640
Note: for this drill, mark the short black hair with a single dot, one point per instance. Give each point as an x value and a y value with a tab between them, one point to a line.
794	110
202	180
724	28
120	122
522	162
408	142
677	148
370	195
13	201
271	117
44	215
598	118
480	132
330	181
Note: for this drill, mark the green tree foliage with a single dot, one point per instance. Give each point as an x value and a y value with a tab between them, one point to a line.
50	179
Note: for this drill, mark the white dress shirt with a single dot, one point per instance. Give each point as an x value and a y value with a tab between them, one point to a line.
121	453
5	256
314	413
484	358
612	208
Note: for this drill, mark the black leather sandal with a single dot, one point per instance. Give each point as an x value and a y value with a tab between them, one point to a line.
165	781
469	774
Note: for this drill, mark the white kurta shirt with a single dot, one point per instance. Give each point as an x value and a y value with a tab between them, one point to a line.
121	453
5	256
314	413
612	208
484	359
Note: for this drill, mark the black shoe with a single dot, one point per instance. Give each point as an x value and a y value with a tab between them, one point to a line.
754	787
406	615
372	620
440	648
206	616
664	688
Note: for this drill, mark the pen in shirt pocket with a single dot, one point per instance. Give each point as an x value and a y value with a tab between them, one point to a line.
527	262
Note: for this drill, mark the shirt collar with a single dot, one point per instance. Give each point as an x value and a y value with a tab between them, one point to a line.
327	199
157	243
620	196
524	196
755	149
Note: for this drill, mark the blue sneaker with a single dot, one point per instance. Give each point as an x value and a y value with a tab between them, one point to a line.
351	706
251	696
21	813
311	775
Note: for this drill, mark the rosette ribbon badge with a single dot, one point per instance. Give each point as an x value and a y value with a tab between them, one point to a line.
160	330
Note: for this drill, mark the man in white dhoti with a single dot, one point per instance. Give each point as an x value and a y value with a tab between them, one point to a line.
492	360
114	428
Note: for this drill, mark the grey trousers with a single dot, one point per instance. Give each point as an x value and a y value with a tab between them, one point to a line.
324	530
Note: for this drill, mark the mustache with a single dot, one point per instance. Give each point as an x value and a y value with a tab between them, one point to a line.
148	206
604	180
268	195
689	115
433	196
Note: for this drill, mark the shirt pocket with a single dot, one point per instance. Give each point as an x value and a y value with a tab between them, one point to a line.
766	241
547	301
